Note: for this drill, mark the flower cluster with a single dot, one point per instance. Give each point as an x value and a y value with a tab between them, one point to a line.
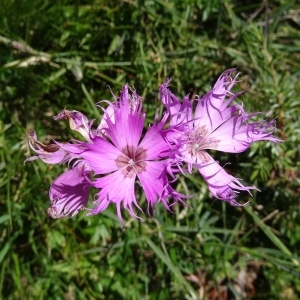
117	154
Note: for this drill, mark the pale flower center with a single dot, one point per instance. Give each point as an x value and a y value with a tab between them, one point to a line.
132	161
197	141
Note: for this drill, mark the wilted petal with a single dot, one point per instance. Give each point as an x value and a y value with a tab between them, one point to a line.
77	120
50	154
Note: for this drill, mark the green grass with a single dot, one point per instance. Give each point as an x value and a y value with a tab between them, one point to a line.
57	54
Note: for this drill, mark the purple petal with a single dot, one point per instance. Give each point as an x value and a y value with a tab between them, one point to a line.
127	129
154	142
101	155
221	184
153	180
69	193
179	112
115	188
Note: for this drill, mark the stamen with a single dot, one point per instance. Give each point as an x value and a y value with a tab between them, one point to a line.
132	161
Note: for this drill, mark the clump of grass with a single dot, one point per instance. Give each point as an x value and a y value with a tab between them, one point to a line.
65	54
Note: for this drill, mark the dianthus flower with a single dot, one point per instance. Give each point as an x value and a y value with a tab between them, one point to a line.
118	155
217	123
112	159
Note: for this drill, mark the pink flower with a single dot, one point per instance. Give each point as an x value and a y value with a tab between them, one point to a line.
125	156
216	123
114	157
118	155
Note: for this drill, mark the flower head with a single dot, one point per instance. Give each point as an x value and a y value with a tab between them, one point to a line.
118	155
124	156
113	159
216	123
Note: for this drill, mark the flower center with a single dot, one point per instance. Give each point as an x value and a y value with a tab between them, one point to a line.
132	161
197	141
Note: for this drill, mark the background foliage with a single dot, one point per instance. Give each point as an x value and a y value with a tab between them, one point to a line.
65	53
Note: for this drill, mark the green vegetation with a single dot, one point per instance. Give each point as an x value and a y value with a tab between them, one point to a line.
57	54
